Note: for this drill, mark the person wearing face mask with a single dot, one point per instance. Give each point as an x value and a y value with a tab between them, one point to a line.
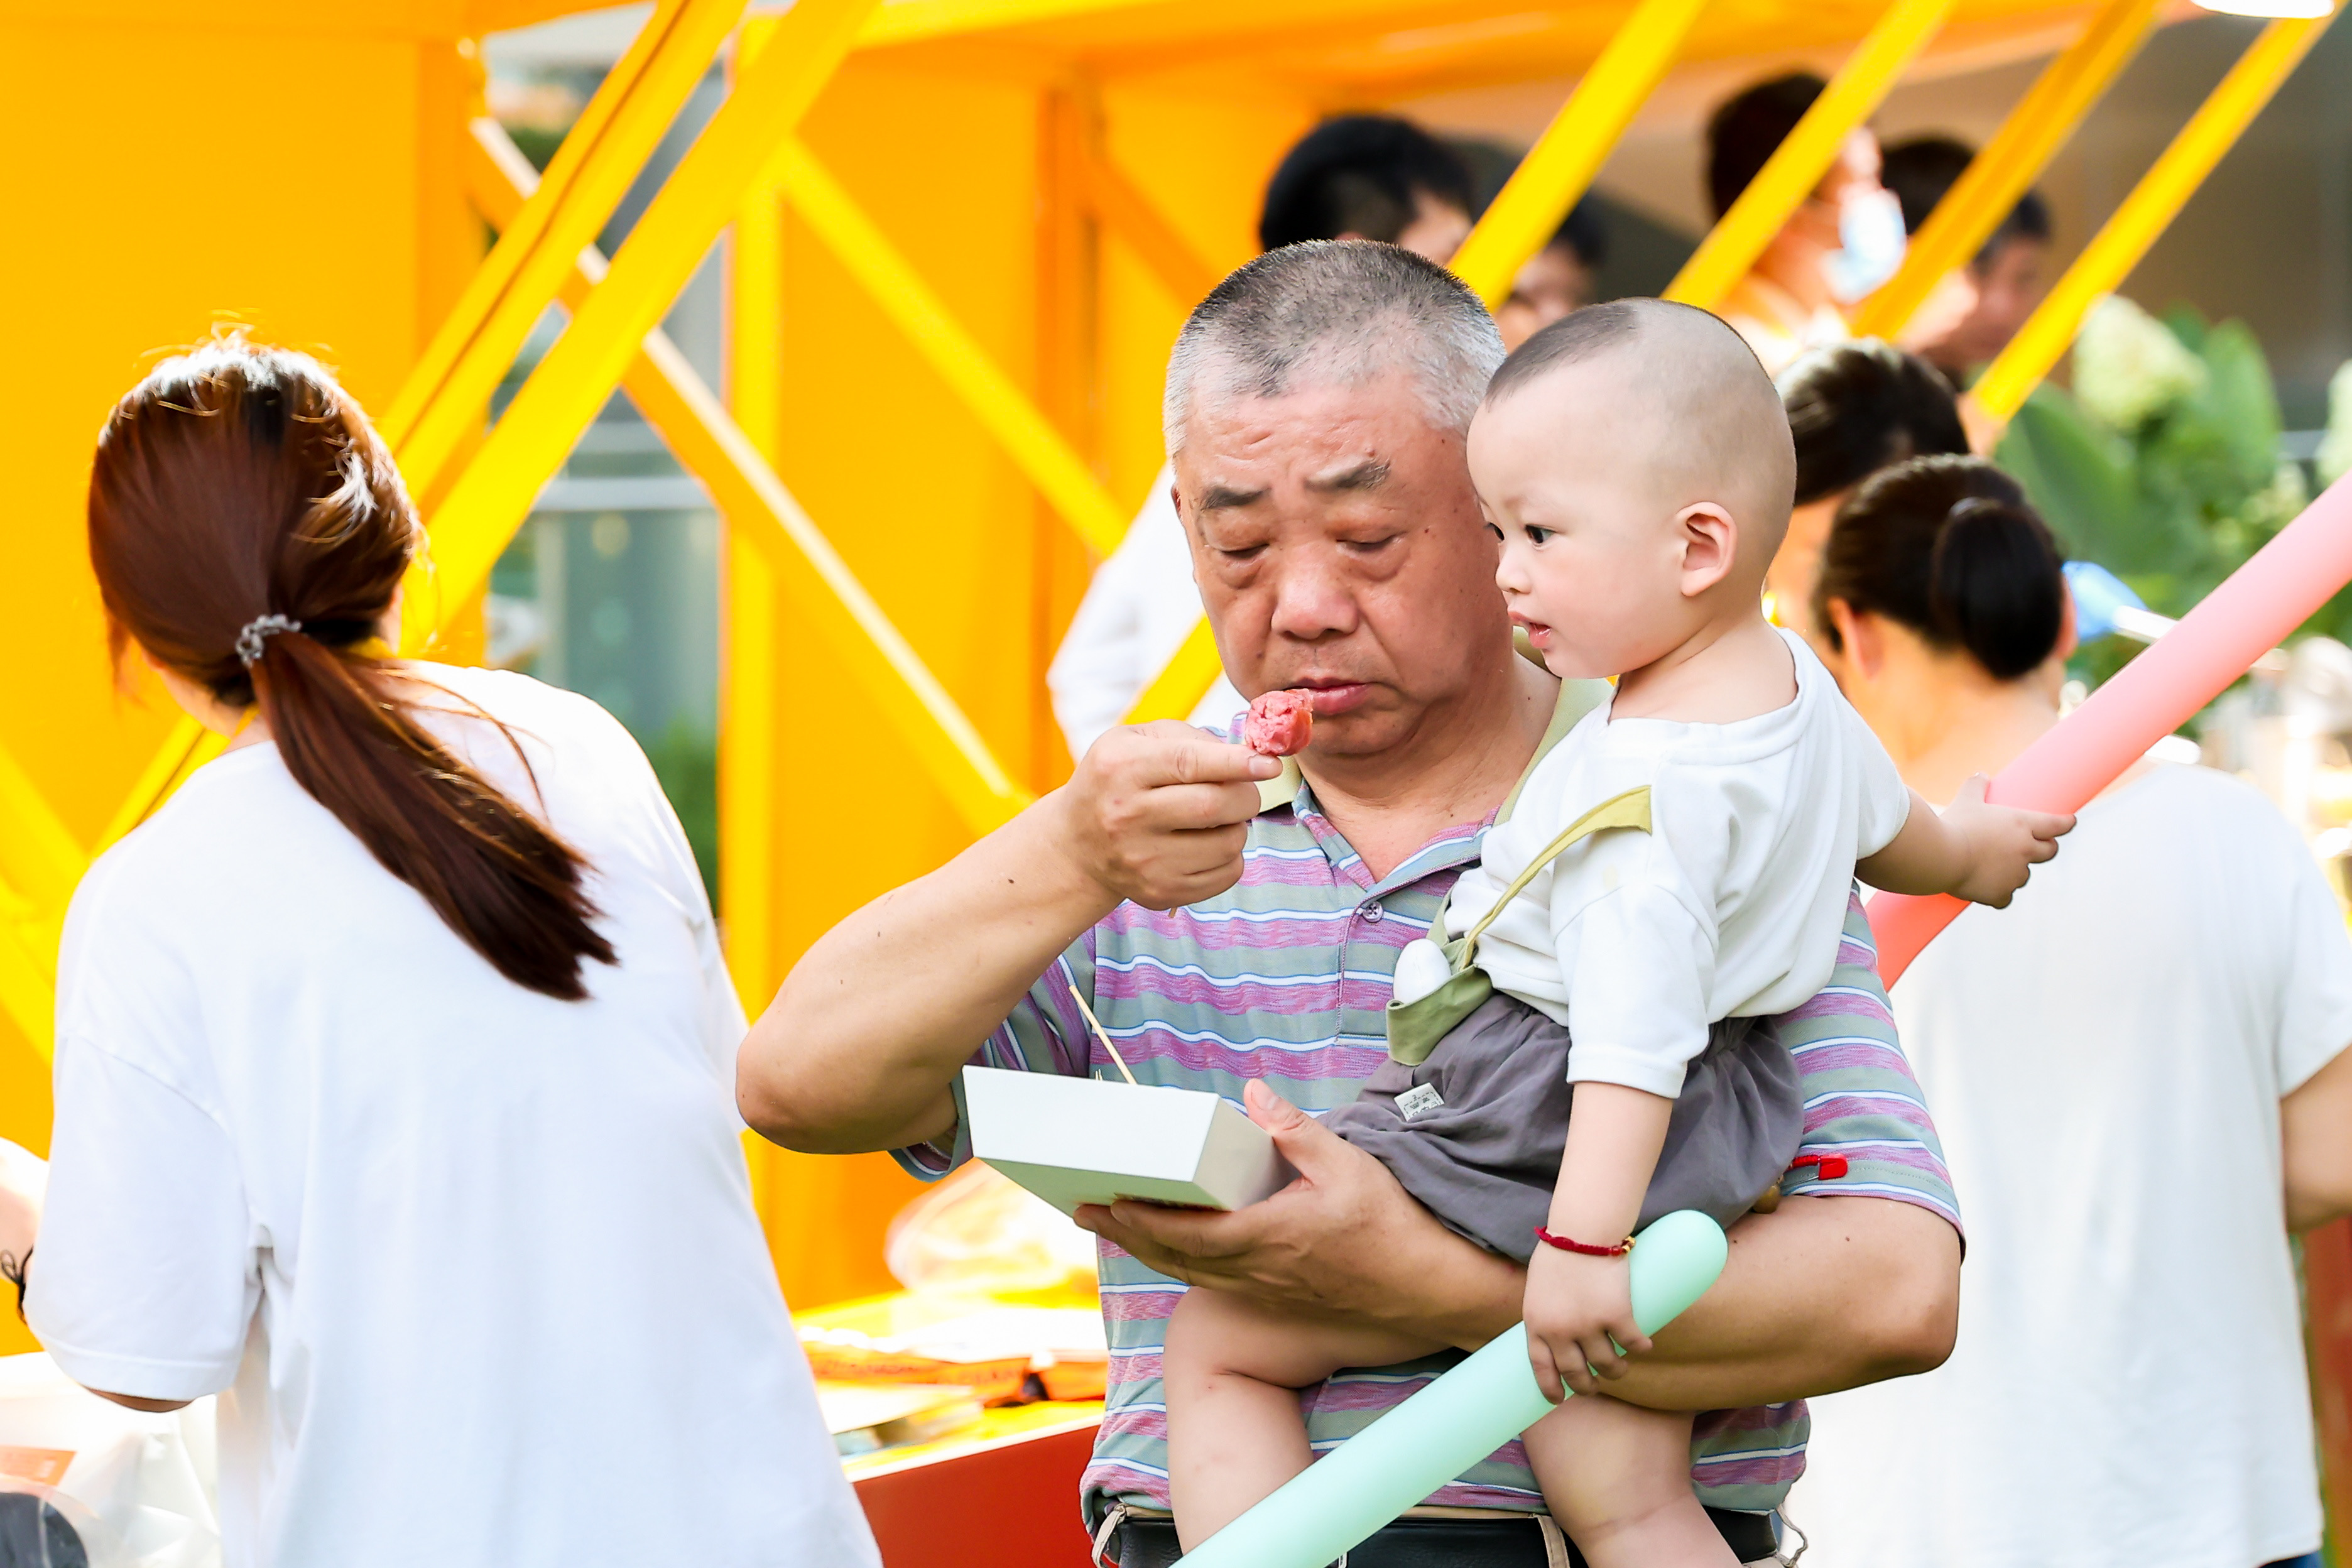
1359	176
1840	244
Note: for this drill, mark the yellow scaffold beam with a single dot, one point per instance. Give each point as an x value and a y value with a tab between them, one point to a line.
1560	166
1795	169
440	404
1129	214
1028	437
2008	165
2160	194
489	499
1176	690
710	444
28	968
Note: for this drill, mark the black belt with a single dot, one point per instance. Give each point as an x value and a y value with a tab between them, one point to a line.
1449	1542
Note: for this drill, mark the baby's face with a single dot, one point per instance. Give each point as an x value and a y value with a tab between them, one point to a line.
1593	560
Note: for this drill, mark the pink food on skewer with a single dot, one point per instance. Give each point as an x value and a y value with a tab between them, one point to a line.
1279	723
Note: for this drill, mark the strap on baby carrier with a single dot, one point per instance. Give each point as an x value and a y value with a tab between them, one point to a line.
1416	1027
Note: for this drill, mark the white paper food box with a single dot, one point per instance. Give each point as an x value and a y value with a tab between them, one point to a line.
1074	1140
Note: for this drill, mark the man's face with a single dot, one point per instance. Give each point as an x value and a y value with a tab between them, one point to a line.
1338	547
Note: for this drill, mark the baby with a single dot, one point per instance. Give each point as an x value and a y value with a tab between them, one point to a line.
1669	877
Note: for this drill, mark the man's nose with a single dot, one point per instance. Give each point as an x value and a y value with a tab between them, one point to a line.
1312	601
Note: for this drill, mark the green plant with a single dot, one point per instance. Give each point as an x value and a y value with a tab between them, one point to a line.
2163	463
686	760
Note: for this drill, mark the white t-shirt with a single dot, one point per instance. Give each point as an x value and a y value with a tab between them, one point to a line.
477	1269
1139	608
2107	1058
1730	906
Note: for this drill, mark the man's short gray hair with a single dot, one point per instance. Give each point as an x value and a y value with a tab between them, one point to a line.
1339	309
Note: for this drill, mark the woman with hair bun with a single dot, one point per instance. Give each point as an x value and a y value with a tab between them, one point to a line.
395	1059
2140	1073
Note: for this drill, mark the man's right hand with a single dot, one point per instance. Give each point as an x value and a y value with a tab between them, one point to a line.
1158	812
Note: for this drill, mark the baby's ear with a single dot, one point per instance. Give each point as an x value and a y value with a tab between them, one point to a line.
1710	544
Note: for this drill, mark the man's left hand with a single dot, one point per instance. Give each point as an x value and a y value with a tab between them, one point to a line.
1344	1239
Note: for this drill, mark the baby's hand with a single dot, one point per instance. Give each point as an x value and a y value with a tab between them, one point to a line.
1575	1306
2002	843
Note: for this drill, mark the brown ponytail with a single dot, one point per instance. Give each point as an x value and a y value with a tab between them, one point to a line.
240	482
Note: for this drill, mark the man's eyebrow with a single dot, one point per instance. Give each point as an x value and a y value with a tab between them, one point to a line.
1220	497
1368	475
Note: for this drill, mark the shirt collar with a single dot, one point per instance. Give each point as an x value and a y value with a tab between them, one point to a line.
1449	849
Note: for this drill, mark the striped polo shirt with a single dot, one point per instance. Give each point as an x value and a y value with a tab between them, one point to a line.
1285	978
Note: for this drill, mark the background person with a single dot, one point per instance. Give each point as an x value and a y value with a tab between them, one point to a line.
1316	411
1564	276
1978	308
393	1066
2140	1075
1841	242
1360	176
1852	409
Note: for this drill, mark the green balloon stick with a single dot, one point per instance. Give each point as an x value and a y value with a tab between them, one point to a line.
1473	1409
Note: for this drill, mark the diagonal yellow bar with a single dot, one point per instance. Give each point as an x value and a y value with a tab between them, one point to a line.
442	400
39	858
440	406
2008	163
1129	214
1000	406
1786	181
1176	690
2160	194
831	600
487	502
29	962
1560	166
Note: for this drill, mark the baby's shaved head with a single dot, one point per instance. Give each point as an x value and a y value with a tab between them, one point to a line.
1704	418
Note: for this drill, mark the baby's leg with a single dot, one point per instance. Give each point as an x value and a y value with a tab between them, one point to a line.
1617	1478
1230	1374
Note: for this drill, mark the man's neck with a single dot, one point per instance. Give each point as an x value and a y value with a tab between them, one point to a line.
1456	767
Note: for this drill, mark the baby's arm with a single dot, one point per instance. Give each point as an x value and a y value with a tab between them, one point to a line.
1977	850
1576	1303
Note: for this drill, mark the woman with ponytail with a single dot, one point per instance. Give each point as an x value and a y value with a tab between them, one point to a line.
2140	1073
396	1058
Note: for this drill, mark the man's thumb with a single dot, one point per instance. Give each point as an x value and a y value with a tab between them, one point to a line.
1273	1112
1294	1132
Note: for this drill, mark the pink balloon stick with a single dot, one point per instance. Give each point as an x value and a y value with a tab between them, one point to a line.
2249	614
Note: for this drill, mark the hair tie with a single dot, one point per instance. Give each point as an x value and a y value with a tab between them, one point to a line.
257	632
1968	506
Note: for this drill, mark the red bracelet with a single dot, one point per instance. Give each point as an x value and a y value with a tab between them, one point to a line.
1586	1248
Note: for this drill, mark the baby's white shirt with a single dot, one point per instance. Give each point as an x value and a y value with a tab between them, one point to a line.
1730	906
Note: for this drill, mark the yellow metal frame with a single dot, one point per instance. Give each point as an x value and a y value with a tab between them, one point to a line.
993	397
799	560
1560	166
487	501
1787	180
2007	166
2145	213
440	407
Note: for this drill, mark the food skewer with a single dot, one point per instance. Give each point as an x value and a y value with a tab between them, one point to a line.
1103	1034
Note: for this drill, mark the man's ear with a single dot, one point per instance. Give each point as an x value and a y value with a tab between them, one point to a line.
1709	541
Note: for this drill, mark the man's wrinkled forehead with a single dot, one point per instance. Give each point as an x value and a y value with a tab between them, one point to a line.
1329	431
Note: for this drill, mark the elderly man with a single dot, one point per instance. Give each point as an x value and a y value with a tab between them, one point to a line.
1317	403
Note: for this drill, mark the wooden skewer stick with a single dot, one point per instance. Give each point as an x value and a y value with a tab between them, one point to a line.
1103	1034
